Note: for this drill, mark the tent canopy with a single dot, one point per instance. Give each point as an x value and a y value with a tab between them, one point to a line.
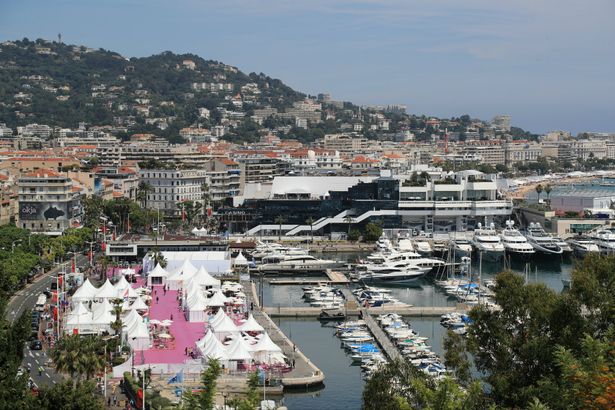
251	325
107	291
238	350
87	291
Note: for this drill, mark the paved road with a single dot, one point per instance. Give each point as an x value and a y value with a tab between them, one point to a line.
26	299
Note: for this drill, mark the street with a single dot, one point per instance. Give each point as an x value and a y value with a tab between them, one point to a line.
25	299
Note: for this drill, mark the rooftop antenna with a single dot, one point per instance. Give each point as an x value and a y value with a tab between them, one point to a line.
60	38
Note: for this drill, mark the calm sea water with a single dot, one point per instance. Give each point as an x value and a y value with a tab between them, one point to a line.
343	383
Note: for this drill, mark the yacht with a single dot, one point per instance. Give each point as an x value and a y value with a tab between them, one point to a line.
582	245
462	247
411	258
541	241
384	244
295	264
566	248
605	239
265	249
515	243
385	274
487	242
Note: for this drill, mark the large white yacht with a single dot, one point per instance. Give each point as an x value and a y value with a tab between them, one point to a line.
605	239
264	249
487	242
582	245
515	243
392	274
542	241
295	264
410	258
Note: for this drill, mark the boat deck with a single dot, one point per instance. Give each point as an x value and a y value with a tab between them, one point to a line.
334	278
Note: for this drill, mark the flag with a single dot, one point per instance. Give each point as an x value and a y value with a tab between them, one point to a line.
55	313
178	378
73	268
209	211
90	256
54	296
104	229
103	246
128	224
61	279
75	331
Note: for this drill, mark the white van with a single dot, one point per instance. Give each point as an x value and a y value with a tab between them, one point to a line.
40	302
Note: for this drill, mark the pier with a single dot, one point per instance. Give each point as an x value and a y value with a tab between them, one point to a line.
304	373
407	310
334	278
383	340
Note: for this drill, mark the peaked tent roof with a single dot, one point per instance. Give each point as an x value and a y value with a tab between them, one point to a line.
158	271
122	284
139	304
216	318
99	308
238	350
225	325
240	260
265	344
218	299
211	347
251	325
203	278
107	291
86	291
79	315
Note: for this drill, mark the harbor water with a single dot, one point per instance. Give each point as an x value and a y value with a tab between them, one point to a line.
343	382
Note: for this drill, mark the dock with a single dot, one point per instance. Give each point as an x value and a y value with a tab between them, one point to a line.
334	278
383	340
403	310
305	373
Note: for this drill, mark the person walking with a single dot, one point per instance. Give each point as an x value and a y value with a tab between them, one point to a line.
156	299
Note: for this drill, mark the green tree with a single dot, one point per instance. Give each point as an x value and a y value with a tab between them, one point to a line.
143	190
205	400
538	190
65	396
79	356
547	189
349	220
456	357
159	258
400	386
354	234
373	231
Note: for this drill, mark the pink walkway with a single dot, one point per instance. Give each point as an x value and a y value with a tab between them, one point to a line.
185	333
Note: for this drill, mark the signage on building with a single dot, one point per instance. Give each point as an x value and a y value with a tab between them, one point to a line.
47	211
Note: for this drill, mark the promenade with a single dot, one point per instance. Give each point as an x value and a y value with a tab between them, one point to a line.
304	372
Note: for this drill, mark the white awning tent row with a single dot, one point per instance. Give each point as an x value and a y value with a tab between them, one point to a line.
239	350
196	305
85	292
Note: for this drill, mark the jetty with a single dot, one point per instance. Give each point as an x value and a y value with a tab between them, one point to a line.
383	340
304	373
334	278
403	310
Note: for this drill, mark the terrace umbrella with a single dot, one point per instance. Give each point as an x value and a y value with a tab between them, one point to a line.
154	322
165	336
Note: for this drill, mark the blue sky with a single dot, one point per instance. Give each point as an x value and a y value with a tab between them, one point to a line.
548	63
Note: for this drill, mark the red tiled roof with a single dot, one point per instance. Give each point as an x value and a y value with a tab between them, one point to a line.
43	173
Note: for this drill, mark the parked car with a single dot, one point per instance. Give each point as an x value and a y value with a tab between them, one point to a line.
36	345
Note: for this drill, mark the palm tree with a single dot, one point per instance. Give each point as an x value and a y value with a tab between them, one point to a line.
92	357
548	189
117	311
310	221
143	189
66	356
539	190
280	220
159	258
205	196
349	220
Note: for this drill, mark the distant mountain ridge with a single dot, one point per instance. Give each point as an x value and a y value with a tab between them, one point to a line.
61	85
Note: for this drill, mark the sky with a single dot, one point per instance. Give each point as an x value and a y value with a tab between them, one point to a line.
550	64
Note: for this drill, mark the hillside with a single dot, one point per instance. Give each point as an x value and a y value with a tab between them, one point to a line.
63	85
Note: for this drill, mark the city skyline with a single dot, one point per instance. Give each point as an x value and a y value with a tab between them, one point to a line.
547	65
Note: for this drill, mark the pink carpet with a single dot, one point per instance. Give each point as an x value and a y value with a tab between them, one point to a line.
185	333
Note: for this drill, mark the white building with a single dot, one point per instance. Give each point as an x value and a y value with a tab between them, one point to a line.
171	187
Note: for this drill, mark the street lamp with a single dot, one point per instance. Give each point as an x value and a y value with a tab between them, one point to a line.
105	365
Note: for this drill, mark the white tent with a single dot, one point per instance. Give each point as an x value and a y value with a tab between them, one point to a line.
139	304
102	316
211	348
240	260
224	327
138	336
197	305
79	318
238	351
204	279
121	284
195	230
180	276
216	318
107	291
251	325
86	292
217	300
157	276
131	318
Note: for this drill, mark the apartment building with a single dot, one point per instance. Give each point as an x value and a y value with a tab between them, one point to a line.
48	202
521	151
171	187
224	179
345	143
489	154
188	155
